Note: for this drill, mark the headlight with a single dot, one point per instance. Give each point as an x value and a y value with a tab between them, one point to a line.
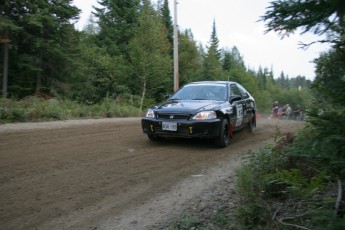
206	115
150	113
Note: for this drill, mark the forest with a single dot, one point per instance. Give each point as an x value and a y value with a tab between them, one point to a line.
124	54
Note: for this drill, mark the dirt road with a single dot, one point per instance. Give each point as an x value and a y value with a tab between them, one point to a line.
106	174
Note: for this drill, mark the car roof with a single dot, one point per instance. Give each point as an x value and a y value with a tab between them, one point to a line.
212	82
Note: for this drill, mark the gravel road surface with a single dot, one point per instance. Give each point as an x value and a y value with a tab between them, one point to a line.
106	174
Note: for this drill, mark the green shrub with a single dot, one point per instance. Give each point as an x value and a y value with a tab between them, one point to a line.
273	176
294	183
252	215
323	140
38	109
186	222
18	115
246	182
220	218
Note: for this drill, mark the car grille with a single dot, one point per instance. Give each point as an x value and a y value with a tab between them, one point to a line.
173	116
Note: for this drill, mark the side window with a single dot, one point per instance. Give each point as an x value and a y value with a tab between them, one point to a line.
244	92
234	90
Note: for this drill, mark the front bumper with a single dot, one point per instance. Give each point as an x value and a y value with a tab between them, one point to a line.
185	128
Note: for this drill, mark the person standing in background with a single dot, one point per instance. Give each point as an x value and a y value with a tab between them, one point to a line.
287	111
275	109
298	113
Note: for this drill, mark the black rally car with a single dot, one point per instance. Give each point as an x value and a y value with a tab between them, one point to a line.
208	109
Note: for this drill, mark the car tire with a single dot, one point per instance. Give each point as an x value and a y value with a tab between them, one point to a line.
223	139
250	126
153	137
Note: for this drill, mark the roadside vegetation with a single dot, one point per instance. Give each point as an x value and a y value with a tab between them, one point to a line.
33	109
282	188
299	183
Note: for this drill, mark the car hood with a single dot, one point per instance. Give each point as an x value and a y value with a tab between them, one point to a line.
187	106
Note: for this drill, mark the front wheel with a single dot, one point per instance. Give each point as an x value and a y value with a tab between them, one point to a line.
153	137
223	139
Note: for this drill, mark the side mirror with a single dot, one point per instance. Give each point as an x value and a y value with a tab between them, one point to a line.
168	96
234	98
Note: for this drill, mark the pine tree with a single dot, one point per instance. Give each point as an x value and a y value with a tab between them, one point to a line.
117	23
317	16
214	41
43	44
212	62
232	59
165	11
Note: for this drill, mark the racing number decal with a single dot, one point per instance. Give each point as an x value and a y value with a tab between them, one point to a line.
239	118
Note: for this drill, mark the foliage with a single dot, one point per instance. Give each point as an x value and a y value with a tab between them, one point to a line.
271	181
325	140
165	13
117	22
190	59
125	50
317	16
102	75
326	220
293	182
252	215
212	64
232	59
39	109
330	80
43	44
216	217
186	222
149	53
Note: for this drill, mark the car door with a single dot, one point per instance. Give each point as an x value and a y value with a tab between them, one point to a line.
238	105
248	104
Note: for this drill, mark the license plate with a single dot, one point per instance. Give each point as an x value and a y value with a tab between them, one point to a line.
169	126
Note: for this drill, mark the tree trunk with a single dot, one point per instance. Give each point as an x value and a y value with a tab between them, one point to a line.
39	77
5	70
143	95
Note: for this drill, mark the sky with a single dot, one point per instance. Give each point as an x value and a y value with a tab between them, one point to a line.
237	25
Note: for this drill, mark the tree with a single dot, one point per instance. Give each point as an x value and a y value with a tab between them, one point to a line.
101	76
190	59
232	59
212	62
321	17
7	28
330	80
149	53
117	24
43	44
214	41
167	21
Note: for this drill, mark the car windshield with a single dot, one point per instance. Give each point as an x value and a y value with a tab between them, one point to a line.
201	92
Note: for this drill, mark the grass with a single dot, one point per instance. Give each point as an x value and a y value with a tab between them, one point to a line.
280	190
33	109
